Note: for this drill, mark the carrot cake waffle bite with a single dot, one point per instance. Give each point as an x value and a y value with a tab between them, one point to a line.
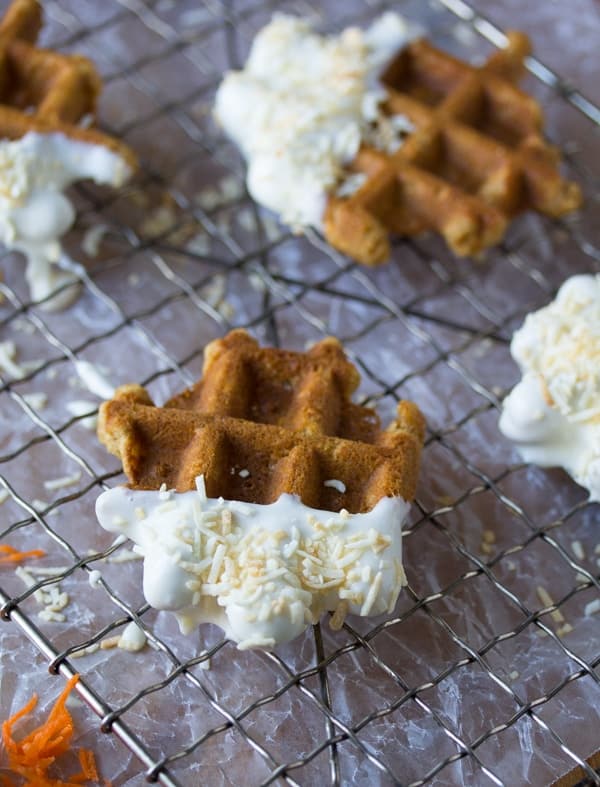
553	414
45	98
377	131
263	497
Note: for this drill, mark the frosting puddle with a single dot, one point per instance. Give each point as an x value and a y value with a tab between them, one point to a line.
263	573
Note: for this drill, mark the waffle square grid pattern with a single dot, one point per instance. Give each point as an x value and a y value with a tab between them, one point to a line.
487	671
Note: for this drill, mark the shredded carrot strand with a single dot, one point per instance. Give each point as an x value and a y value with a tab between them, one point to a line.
88	764
12	555
36	752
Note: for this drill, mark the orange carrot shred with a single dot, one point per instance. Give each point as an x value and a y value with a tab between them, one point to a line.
88	764
36	752
12	555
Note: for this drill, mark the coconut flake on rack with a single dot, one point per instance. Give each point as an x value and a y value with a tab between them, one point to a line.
553	414
63	481
79	407
34	212
93	238
592	607
50	597
8	360
36	400
303	104
261	572
94	380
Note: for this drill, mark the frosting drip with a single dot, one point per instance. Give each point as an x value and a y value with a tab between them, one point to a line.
553	414
34	213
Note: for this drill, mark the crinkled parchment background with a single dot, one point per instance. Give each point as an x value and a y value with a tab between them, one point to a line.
174	272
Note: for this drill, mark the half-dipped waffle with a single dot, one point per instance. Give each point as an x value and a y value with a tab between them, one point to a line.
255	500
475	158
263	422
44	91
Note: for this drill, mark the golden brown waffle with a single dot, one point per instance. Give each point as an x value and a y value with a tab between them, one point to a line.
255	453
44	91
307	392
475	158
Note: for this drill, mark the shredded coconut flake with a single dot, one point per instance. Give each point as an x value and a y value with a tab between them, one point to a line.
592	607
566	628
63	481
8	364
547	601
110	642
87	651
577	548
247	569
333	483
37	401
94	380
93	238
79	407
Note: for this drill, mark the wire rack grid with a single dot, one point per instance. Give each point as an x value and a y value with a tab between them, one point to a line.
432	695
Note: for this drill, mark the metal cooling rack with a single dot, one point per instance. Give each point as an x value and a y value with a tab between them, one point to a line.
289	306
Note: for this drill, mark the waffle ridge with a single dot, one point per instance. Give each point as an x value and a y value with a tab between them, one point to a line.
301	391
45	91
255	455
475	158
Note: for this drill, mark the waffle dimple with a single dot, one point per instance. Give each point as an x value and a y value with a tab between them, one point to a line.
476	157
45	91
283	424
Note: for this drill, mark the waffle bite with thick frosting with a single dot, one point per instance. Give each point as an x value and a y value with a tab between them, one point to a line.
45	98
553	413
263	496
376	132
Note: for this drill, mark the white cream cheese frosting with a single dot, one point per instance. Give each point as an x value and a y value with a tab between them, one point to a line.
262	573
302	105
553	414
34	212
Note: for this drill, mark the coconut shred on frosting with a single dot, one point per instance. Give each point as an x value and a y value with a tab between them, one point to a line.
553	414
303	104
263	573
34	212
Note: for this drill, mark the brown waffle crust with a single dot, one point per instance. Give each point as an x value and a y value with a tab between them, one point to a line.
256	456
44	91
475	158
308	392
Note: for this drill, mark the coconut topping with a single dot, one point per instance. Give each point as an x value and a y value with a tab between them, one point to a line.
303	105
553	414
34	212
94	380
261	572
